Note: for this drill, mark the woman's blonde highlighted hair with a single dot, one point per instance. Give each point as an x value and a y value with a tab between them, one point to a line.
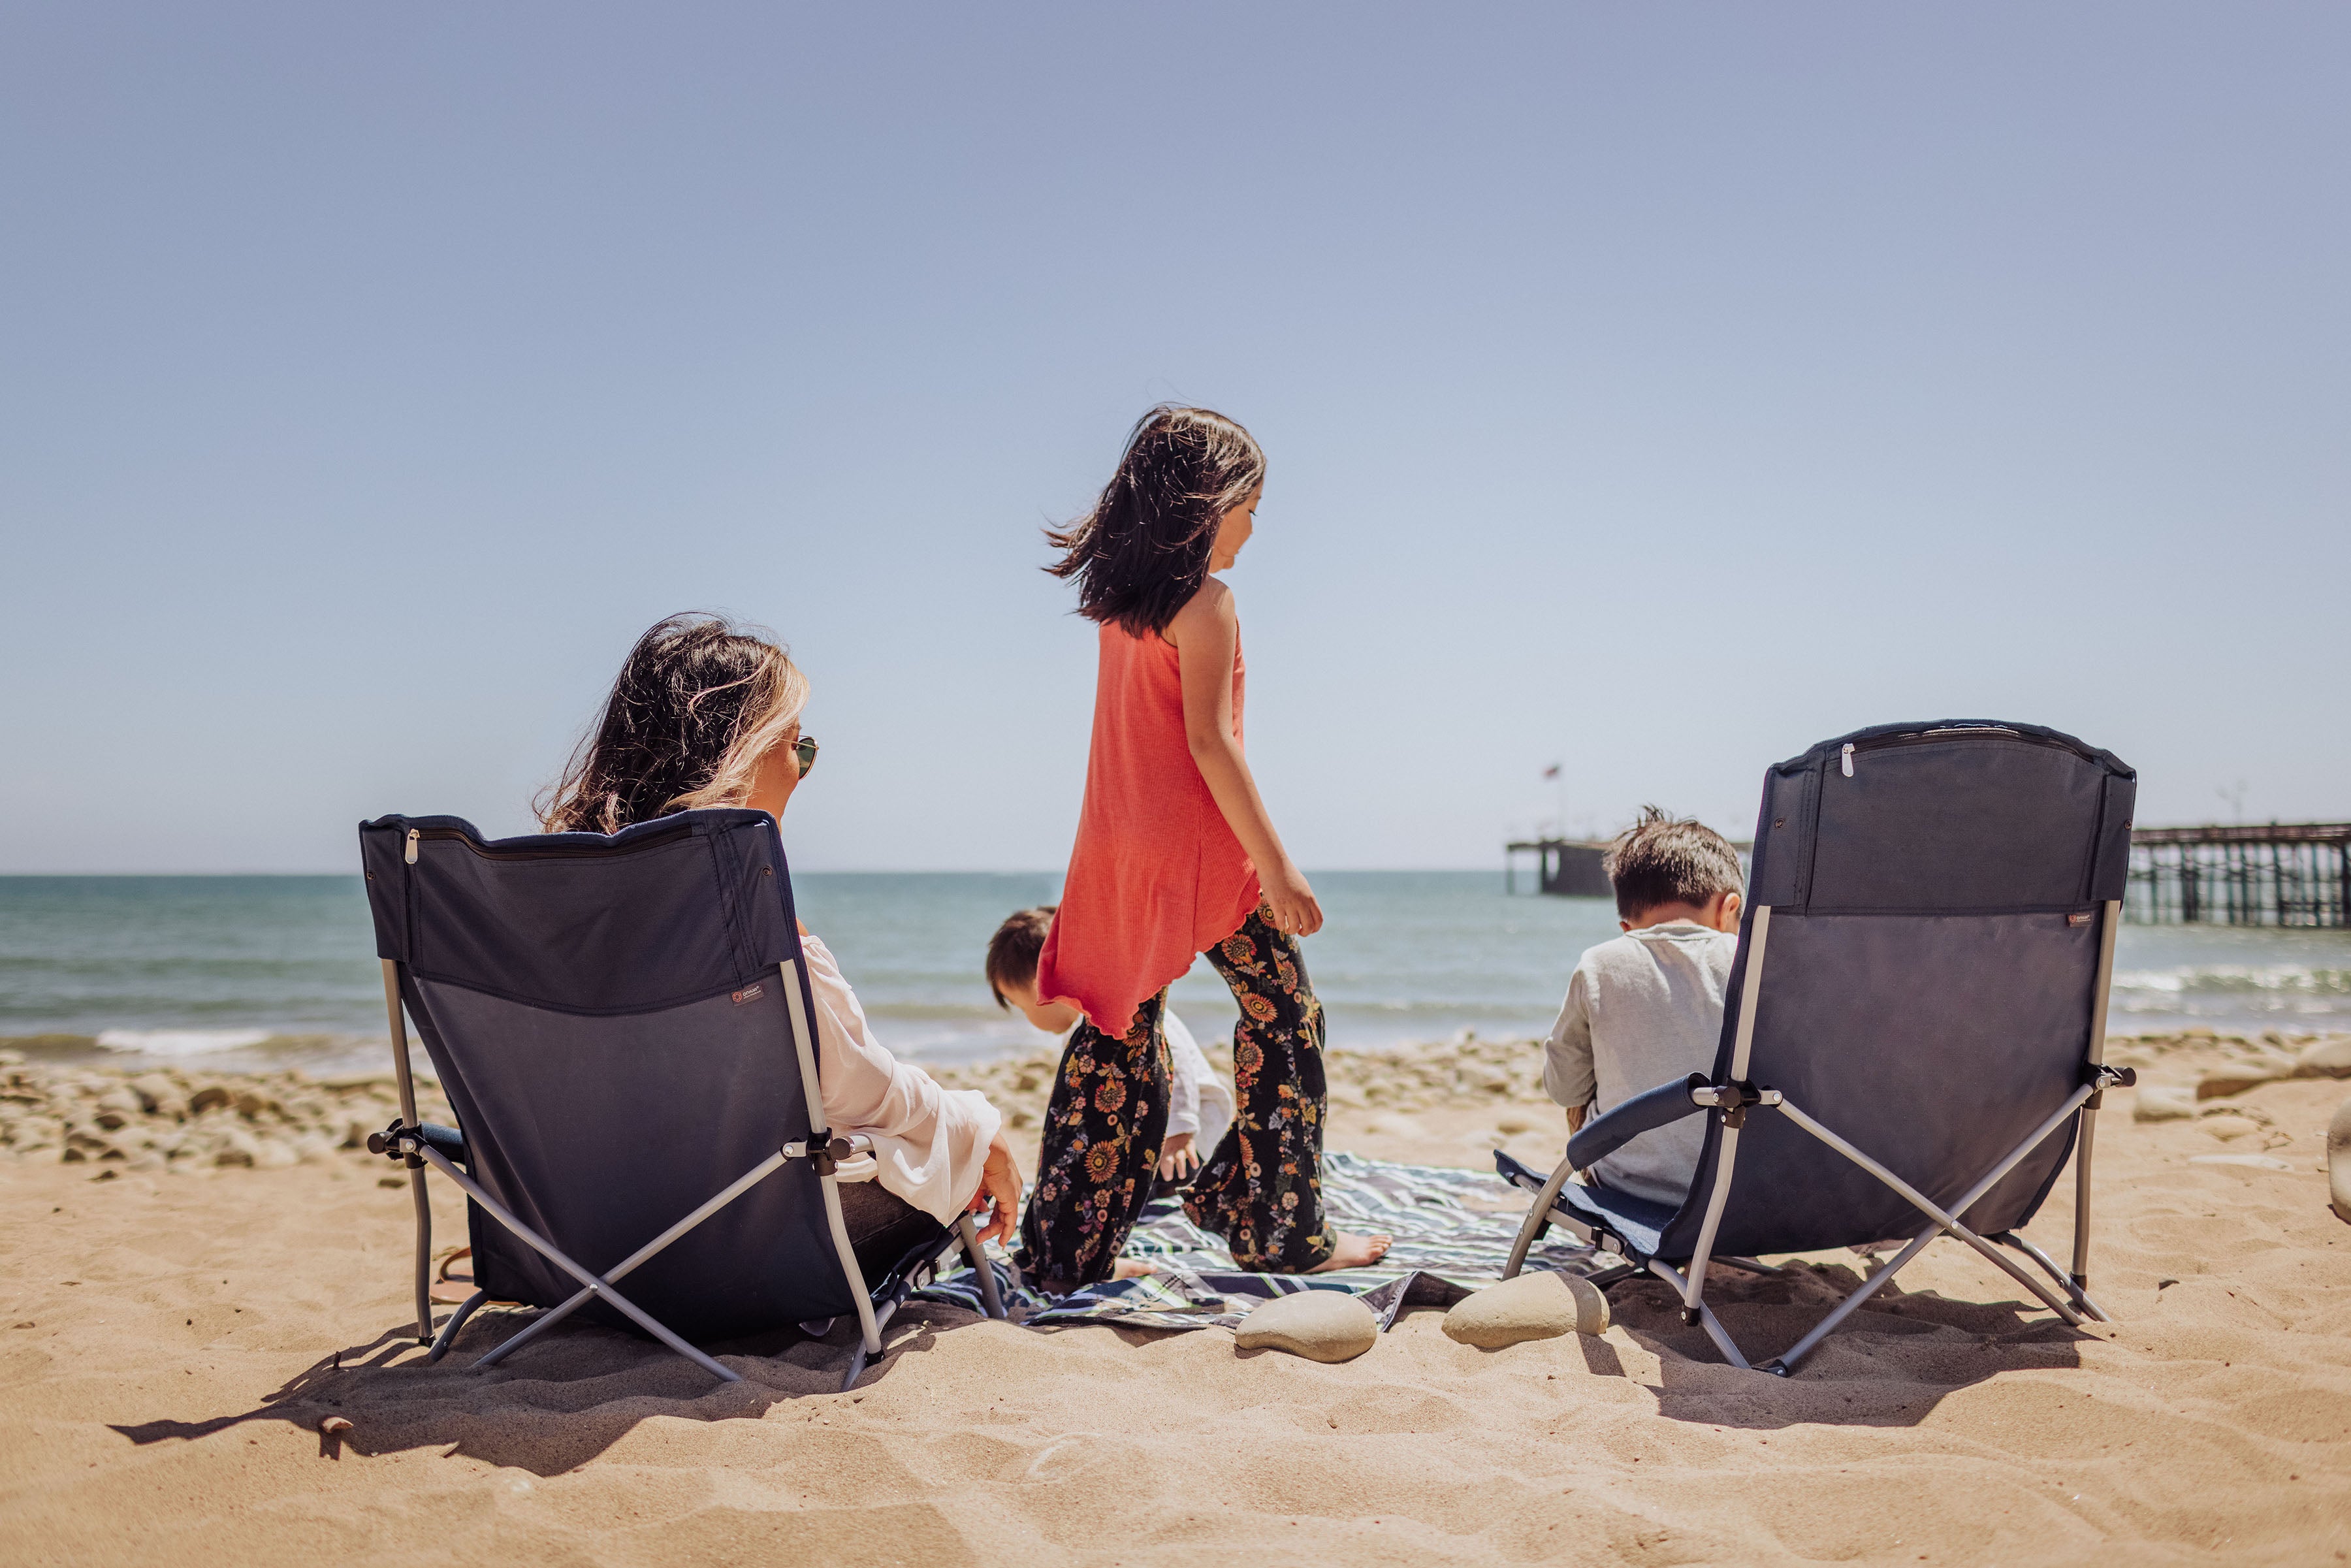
698	703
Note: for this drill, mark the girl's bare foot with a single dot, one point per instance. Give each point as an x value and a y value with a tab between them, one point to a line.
1132	1269
1353	1251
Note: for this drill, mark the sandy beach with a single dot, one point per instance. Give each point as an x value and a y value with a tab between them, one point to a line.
190	1299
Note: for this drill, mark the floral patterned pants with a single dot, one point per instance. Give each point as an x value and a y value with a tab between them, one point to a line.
1261	1189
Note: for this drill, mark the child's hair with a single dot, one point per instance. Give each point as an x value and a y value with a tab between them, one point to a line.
1662	859
1012	951
698	702
1141	550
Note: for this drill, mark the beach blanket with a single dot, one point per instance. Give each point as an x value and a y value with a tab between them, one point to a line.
1453	1230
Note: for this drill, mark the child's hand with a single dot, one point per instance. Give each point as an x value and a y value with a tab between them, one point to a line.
1295	910
1177	1158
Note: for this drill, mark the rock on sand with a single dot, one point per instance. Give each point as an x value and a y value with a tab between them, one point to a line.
1320	1325
2338	1160
1542	1304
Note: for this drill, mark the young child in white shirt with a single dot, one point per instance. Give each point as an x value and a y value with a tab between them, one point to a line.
1645	1008
1199	1103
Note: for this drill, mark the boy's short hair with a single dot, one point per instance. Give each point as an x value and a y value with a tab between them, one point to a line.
1012	951
1662	859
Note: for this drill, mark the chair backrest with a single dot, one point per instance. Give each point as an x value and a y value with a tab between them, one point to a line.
607	1016
1928	976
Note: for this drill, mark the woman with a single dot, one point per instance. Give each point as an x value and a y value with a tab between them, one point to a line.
705	714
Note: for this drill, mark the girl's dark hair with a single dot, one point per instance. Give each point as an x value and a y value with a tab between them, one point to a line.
698	702
1142	550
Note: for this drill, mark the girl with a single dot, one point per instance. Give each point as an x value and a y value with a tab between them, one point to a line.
1175	856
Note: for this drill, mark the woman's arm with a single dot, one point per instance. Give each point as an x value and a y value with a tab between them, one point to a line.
944	1150
1206	634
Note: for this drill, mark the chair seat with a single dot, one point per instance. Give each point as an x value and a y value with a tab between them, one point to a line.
1636	1221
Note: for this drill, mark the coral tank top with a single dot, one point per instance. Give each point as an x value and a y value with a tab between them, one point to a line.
1156	875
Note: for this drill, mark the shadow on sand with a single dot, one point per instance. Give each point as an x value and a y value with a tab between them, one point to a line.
1889	1364
558	1403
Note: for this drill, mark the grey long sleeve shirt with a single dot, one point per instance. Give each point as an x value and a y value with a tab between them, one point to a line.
1641	1010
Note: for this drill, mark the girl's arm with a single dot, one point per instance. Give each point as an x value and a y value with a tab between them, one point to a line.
1207	634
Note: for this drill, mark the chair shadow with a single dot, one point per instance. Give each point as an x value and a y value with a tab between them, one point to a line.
1888	1364
557	1403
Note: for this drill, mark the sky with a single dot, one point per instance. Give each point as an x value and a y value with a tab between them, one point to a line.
1650	390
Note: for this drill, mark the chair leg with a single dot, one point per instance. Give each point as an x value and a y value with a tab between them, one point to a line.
1538	1218
858	1359
457	1321
595	1285
1706	1320
2070	1284
978	1256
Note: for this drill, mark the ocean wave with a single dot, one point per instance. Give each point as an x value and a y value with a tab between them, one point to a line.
2287	980
180	1041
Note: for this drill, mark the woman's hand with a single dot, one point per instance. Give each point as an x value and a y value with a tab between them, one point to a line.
1296	912
1177	1157
999	1191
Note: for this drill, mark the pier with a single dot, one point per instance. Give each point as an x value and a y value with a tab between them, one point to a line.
1568	867
2287	873
2295	874
1572	868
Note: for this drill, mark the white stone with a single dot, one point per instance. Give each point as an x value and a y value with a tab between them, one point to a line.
2164	1103
2327	1057
1540	1304
2338	1160
1320	1325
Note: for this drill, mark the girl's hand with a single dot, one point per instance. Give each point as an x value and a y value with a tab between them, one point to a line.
1295	910
999	1191
1177	1157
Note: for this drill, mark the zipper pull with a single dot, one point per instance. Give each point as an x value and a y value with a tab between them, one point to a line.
1848	773
413	835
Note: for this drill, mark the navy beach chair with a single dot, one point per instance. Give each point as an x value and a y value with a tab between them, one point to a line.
623	1025
1915	1025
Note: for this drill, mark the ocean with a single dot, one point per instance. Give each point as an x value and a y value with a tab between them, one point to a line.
261	973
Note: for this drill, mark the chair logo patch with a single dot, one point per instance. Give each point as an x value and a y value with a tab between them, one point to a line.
750	994
2081	919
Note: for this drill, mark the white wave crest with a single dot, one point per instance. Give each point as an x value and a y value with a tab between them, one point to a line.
179	1041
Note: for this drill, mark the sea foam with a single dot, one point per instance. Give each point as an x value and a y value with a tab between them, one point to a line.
179	1041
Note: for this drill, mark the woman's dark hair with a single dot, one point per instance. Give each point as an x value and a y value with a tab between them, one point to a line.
1142	550
698	702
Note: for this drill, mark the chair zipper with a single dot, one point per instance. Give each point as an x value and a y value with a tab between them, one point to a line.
653	842
1930	737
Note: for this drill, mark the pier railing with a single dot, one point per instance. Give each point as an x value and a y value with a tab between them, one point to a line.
2284	873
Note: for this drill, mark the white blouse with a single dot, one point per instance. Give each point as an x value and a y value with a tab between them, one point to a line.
929	1143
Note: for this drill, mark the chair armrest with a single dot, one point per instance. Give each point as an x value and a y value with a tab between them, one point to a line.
448	1140
1644	1113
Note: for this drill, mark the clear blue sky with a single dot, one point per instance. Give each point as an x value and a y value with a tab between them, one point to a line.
1654	390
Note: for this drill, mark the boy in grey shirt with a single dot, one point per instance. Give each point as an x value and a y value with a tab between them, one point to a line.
1646	1007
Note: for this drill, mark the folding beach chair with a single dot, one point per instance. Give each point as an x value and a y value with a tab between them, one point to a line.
1915	1025
623	1025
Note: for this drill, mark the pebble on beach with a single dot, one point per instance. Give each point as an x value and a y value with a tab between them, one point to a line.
1538	1305
1320	1325
178	1119
2338	1160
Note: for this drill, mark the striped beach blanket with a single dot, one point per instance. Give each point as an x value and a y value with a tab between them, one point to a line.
1453	1230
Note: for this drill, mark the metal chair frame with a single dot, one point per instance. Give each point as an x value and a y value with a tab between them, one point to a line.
406	1140
1735	1097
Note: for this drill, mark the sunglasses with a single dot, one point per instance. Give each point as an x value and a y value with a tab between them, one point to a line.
805	751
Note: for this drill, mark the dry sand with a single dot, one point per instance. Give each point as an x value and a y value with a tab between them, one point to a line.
172	1337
